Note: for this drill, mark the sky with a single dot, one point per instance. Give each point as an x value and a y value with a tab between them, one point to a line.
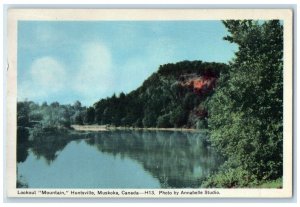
66	61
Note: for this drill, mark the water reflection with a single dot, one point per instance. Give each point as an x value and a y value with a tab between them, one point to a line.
49	147
175	159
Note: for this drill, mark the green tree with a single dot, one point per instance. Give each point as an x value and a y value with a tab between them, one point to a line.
178	117
23	114
64	117
90	115
164	121
78	118
77	105
23	123
245	113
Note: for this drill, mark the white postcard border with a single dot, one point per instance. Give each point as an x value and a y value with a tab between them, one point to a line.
15	15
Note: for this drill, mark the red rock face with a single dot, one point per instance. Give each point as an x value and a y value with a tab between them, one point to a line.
201	84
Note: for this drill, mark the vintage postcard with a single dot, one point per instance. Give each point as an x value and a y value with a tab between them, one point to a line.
149	103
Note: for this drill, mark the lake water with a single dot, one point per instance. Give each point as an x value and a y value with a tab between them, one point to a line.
117	159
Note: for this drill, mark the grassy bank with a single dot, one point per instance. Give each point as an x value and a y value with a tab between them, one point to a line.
272	184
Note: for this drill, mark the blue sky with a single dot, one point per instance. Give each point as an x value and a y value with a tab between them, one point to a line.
66	61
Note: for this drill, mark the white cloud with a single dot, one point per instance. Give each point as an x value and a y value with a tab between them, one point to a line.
91	79
47	72
94	77
47	76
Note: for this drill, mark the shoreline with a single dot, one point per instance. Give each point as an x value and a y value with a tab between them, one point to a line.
110	128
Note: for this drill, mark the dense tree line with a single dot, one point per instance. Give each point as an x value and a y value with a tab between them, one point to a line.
245	113
50	115
161	101
33	118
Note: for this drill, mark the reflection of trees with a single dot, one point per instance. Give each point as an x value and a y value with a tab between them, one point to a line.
177	159
20	183
49	146
22	152
45	145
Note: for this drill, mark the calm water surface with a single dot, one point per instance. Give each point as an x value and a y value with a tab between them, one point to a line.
117	159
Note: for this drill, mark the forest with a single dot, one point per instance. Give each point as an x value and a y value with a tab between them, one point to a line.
168	98
239	104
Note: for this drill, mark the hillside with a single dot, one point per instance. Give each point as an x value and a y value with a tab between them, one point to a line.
174	96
